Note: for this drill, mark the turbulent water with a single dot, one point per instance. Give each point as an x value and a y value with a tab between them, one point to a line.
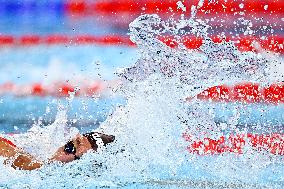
149	150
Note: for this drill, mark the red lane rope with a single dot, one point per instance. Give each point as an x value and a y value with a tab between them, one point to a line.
62	39
244	43
247	93
271	143
136	7
244	93
58	89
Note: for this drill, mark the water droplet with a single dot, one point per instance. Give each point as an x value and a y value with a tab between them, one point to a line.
265	7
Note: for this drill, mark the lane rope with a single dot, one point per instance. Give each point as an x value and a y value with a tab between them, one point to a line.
244	93
237	143
145	6
243	43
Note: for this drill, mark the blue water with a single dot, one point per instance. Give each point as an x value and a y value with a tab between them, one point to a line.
43	17
30	64
48	64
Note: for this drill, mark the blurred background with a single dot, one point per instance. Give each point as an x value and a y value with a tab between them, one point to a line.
51	49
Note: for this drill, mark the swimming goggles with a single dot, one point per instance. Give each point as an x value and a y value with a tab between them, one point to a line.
70	148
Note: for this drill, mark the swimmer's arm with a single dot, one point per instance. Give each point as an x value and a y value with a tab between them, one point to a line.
23	162
17	158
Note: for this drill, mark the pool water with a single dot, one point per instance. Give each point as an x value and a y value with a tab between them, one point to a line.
144	109
18	114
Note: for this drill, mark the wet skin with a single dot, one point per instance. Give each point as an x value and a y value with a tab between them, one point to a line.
19	159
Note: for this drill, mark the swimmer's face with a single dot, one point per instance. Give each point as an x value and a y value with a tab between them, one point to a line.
81	145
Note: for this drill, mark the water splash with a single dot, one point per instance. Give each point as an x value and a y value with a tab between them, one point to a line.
48	138
150	126
149	147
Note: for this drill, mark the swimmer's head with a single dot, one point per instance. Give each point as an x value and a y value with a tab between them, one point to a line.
80	144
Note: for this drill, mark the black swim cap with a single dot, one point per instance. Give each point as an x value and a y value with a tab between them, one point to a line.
96	138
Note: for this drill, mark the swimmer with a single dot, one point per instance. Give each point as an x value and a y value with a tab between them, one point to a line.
72	150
